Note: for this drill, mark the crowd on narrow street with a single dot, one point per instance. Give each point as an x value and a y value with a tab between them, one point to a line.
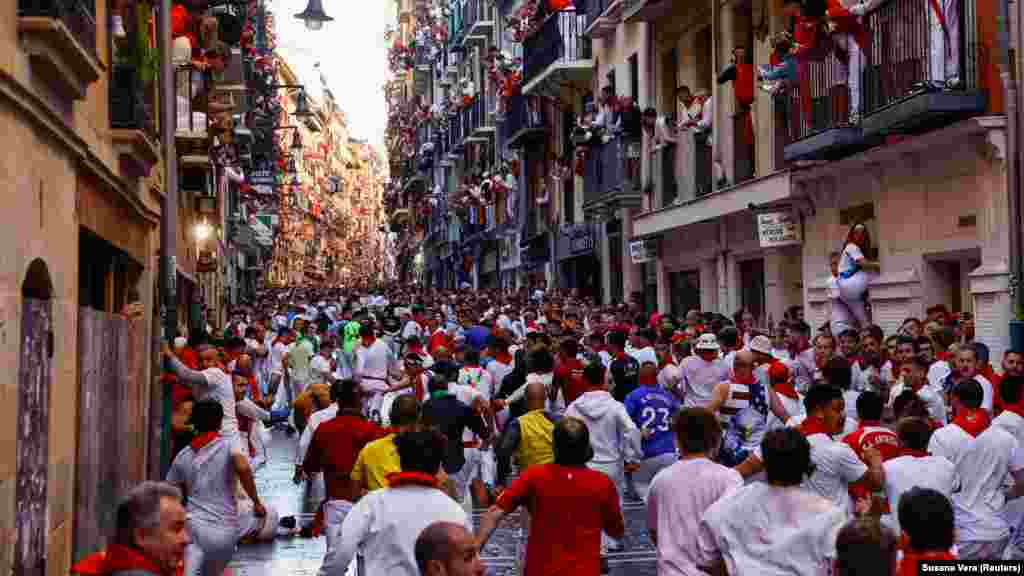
792	450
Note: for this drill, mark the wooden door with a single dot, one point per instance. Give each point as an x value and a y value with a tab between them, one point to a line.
33	436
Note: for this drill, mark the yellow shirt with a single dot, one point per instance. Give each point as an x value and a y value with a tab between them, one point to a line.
536	435
375	461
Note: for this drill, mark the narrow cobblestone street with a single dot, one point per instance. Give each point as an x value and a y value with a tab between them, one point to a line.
301	556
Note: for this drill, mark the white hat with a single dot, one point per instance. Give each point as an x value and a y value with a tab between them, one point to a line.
707	342
761	344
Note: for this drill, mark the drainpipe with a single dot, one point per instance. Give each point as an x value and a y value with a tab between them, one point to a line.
168	268
1009	22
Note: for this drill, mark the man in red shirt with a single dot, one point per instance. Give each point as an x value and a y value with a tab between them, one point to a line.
570	505
569	374
333	451
871	434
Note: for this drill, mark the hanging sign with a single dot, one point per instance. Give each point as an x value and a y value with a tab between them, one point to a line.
641	251
778	229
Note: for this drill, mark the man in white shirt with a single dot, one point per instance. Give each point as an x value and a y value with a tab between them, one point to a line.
643	349
702	372
374	363
278	351
320	368
414	326
966	368
915	468
773	528
983	455
914	377
207	471
836	465
385	524
210	383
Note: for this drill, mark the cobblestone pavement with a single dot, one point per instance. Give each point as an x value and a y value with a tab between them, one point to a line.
302	556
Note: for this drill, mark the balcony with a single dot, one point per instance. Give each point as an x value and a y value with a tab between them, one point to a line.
603	16
478	19
455	136
133	130
605	182
481	124
523	121
59	37
902	91
645	10
819	126
557	57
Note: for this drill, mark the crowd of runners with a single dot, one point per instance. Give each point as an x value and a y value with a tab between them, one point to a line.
760	450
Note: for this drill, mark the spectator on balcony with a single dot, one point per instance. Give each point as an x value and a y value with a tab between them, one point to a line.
944	43
607	118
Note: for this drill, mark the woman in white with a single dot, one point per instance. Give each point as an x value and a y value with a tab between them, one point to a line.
854	275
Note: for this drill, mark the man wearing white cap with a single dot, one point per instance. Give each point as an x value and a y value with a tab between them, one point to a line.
701	373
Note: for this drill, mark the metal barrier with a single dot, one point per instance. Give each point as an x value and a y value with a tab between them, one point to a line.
560	39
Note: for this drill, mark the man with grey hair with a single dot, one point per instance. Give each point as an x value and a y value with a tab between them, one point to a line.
151	535
448	549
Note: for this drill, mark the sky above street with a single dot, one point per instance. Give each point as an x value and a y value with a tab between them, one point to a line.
352	55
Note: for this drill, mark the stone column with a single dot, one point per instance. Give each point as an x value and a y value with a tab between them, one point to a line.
664	299
709	284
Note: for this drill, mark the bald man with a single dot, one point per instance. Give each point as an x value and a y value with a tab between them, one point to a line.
742	405
210	382
447	549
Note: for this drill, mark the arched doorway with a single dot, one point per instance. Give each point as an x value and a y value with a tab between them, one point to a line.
33	436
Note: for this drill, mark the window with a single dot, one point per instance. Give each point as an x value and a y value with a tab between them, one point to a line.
684	288
752	287
634	78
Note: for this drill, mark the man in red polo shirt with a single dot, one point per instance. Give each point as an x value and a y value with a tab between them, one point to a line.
333	451
569	374
570	505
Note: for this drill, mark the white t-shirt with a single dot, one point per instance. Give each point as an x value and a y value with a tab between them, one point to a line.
937	374
498	371
905	472
771	531
642	355
836	466
319	368
276	355
372	365
220	389
982	466
477	377
989	394
467	395
848	260
850	425
209	479
699	378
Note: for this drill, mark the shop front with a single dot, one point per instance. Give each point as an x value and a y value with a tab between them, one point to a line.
488	270
579	266
535	255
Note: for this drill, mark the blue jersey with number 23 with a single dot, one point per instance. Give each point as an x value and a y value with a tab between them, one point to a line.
652	409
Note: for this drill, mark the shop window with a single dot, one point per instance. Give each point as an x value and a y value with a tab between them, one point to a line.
684	287
752	287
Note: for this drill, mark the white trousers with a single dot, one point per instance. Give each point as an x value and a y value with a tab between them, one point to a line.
211	549
943	56
480	464
335	512
851	69
615	472
648	468
851	293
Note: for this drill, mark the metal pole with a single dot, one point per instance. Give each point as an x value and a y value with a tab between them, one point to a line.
168	210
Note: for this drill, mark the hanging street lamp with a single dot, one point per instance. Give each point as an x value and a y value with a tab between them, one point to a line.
314	15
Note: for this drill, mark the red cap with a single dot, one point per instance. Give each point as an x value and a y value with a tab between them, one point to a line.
778	372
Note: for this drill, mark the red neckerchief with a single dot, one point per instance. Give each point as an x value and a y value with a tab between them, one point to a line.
748	380
202	440
974	421
620	354
1015	408
392	430
396	479
503	358
648	380
942	356
813	425
666	361
786	389
911	560
914	453
116	558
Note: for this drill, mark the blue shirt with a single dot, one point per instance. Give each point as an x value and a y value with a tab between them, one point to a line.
476	337
652	409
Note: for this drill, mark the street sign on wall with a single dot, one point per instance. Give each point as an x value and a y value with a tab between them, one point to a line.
776	229
641	251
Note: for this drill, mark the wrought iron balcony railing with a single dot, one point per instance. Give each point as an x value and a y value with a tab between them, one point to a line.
604	170
519	115
78	15
560	39
474	11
